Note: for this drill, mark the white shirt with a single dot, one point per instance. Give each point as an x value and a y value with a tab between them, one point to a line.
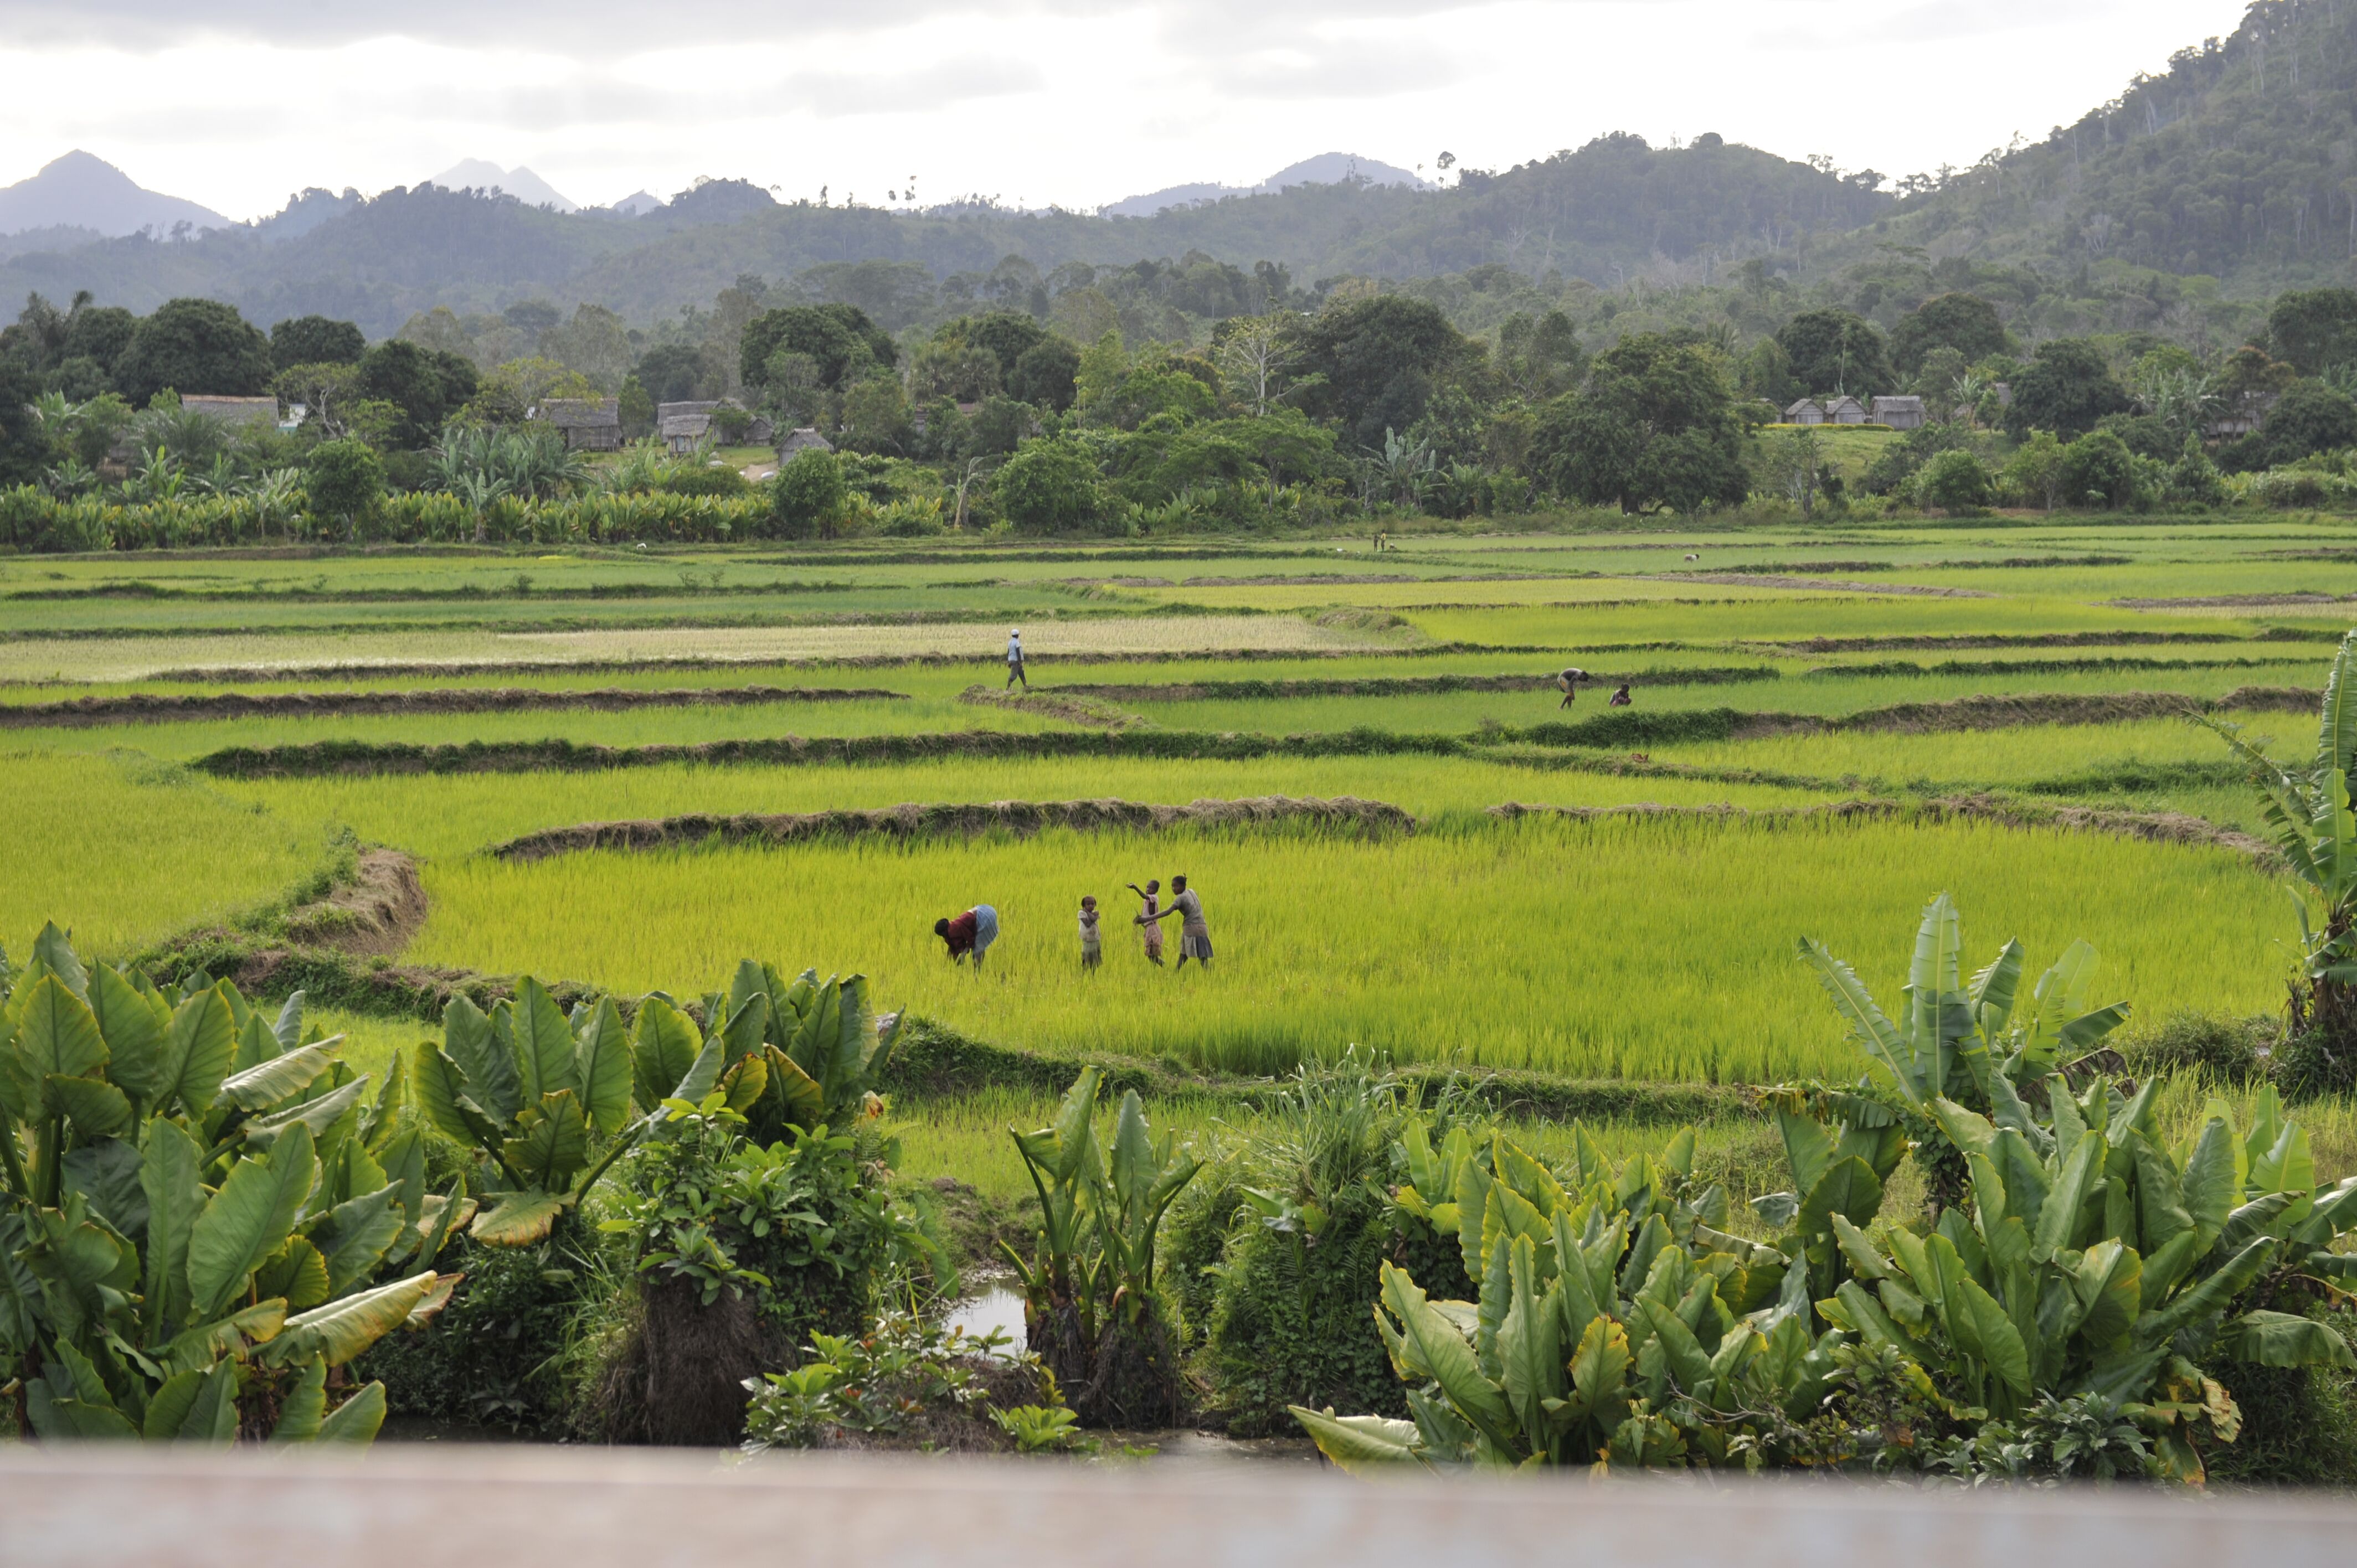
1015	650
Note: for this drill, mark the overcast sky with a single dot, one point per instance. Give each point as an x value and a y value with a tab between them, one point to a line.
1071	102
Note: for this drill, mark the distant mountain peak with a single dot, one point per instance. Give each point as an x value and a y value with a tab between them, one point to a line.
82	191
1326	168
480	174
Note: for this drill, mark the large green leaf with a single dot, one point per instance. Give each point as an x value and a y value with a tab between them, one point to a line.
248	1219
2336	730
544	1043
444	1094
95	1107
663	1046
354	1235
1874	1033
2280	1339
603	1066
1530	1356
343	1328
318	1115
2109	1283
552	1141
1428	1345
1358	1444
135	1027
1599	1373
1939	1012
2058	1224
300	1415
57	1037
517	1218
197	1405
1849	1188
168	1175
198	1050
357	1419
263	1085
2209	1295
485	1060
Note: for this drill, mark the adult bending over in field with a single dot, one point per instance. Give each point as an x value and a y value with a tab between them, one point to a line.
1015	661
1194	936
1568	681
970	933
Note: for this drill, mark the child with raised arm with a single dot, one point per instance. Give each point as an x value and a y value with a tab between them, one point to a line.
1091	941
1149	924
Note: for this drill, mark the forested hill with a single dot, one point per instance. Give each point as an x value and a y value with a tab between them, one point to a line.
2238	161
1610	209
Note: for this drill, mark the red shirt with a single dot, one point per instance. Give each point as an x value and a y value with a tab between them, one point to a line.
960	934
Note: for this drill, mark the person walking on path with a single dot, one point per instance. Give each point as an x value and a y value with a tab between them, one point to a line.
1015	661
1568	681
1149	924
970	934
1194	936
1620	698
1091	940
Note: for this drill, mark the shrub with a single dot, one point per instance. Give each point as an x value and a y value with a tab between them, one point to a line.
2098	470
1047	486
1955	482
909	1383
706	479
809	495
2230	1049
343	482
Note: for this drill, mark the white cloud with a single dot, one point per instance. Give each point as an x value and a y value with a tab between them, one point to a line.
1075	101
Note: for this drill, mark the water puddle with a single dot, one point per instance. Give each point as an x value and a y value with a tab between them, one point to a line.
997	1307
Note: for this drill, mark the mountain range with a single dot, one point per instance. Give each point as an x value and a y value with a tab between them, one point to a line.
2234	165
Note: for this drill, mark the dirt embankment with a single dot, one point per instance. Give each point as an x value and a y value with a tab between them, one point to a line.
1022	818
1821	584
155	707
372	915
1978	712
1400	685
1060	703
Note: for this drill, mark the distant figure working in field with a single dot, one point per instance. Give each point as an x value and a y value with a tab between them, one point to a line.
1015	661
1621	697
1091	941
970	933
1568	681
1194	936
1149	924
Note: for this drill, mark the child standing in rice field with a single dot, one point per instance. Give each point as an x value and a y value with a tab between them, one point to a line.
1092	941
1149	924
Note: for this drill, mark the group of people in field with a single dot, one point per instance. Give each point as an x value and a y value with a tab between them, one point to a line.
1570	680
969	936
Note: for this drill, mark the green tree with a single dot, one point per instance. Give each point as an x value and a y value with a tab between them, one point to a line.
1832	351
1372	365
2035	470
1047	375
343	481
808	496
2068	387
1964	322
100	334
426	385
636	410
316	340
199	347
841	338
876	416
2309	417
2315	329
1541	357
1047	486
678	372
1955	482
2098	469
23	443
1655	428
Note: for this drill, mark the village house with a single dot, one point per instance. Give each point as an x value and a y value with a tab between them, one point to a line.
1899	413
1845	411
1808	411
587	423
235	410
803	440
684	426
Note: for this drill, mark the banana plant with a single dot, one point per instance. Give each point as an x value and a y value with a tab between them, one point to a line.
212	1213
2307	814
547	1098
2094	1259
1617	1324
1092	1262
1980	1044
812	1051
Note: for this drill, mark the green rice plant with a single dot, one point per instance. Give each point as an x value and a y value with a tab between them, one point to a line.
133	851
1637	946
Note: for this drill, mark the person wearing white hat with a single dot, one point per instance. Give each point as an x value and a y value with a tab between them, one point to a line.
1015	661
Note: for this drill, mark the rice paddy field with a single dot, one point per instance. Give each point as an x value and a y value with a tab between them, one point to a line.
194	741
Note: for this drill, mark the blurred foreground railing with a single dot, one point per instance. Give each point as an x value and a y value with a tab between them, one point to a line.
549	1508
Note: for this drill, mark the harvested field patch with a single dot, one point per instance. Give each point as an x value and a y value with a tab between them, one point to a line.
961	820
1820	585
